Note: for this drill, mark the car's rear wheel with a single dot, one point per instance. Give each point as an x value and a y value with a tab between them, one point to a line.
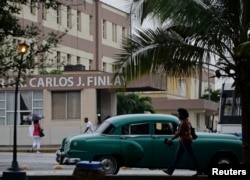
224	159
221	159
109	164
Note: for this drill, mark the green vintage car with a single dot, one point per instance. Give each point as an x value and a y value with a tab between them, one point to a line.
137	140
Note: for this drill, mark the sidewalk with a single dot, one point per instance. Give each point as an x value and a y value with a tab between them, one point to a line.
44	148
44	170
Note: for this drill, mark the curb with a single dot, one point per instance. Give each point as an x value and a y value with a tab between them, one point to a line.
44	149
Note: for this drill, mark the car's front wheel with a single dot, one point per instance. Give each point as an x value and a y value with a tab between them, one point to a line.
59	157
109	165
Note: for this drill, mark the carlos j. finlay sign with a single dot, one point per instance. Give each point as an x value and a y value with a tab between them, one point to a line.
64	81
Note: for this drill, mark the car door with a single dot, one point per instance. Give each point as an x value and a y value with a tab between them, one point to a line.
136	144
162	153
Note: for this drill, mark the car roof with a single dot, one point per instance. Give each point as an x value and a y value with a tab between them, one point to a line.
130	118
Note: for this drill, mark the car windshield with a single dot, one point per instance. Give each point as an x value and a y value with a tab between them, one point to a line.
105	128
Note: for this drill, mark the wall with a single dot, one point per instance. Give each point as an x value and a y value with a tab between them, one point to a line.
53	135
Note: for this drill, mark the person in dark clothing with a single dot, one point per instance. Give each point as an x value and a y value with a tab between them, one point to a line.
185	143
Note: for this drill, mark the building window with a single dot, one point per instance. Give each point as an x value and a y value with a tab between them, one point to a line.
2	108
59	14
44	12
114	68
32	7
37	102
114	32
104	29
69	17
78	60
68	58
17	5
58	59
42	59
123	33
90	64
27	102
66	105
104	66
90	25
16	42
79	21
182	88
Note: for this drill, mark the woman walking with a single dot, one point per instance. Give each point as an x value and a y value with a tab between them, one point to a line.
36	136
185	143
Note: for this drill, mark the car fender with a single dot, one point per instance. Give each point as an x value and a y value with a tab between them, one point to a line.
103	147
131	151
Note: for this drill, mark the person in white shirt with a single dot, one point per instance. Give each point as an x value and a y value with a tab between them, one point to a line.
89	126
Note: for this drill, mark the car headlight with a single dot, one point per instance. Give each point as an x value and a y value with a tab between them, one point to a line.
74	143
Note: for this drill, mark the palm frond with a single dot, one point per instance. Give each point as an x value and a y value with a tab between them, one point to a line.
193	31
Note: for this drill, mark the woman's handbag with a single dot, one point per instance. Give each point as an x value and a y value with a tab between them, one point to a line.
193	133
41	133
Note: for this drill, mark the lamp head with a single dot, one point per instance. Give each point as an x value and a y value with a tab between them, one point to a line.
23	48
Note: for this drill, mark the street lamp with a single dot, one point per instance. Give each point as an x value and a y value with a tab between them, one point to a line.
23	48
14	172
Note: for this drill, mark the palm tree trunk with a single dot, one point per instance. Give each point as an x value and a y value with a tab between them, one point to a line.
200	80
245	100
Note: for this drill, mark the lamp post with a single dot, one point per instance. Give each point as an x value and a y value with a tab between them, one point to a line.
14	172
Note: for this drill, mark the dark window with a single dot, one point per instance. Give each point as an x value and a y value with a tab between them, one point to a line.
164	128
105	128
109	130
141	128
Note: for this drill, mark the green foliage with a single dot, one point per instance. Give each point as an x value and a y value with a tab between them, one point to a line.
44	72
55	71
243	50
133	103
212	95
13	32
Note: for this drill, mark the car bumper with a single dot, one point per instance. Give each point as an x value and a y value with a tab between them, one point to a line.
62	159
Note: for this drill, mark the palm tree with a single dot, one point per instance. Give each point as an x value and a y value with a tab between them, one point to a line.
133	103
190	33
211	95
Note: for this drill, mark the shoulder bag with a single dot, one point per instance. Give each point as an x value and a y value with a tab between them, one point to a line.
193	133
41	132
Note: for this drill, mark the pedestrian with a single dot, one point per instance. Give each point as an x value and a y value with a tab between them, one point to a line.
30	120
36	136
184	144
89	126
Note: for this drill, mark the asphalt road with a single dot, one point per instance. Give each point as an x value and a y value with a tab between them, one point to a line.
45	164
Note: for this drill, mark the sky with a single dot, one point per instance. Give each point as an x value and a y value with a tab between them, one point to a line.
119	4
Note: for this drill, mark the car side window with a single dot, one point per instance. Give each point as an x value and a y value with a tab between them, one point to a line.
164	128
109	130
132	129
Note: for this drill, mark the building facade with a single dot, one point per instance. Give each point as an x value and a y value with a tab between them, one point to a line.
86	57
186	92
85	54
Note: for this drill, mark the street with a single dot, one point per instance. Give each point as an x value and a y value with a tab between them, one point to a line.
44	164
